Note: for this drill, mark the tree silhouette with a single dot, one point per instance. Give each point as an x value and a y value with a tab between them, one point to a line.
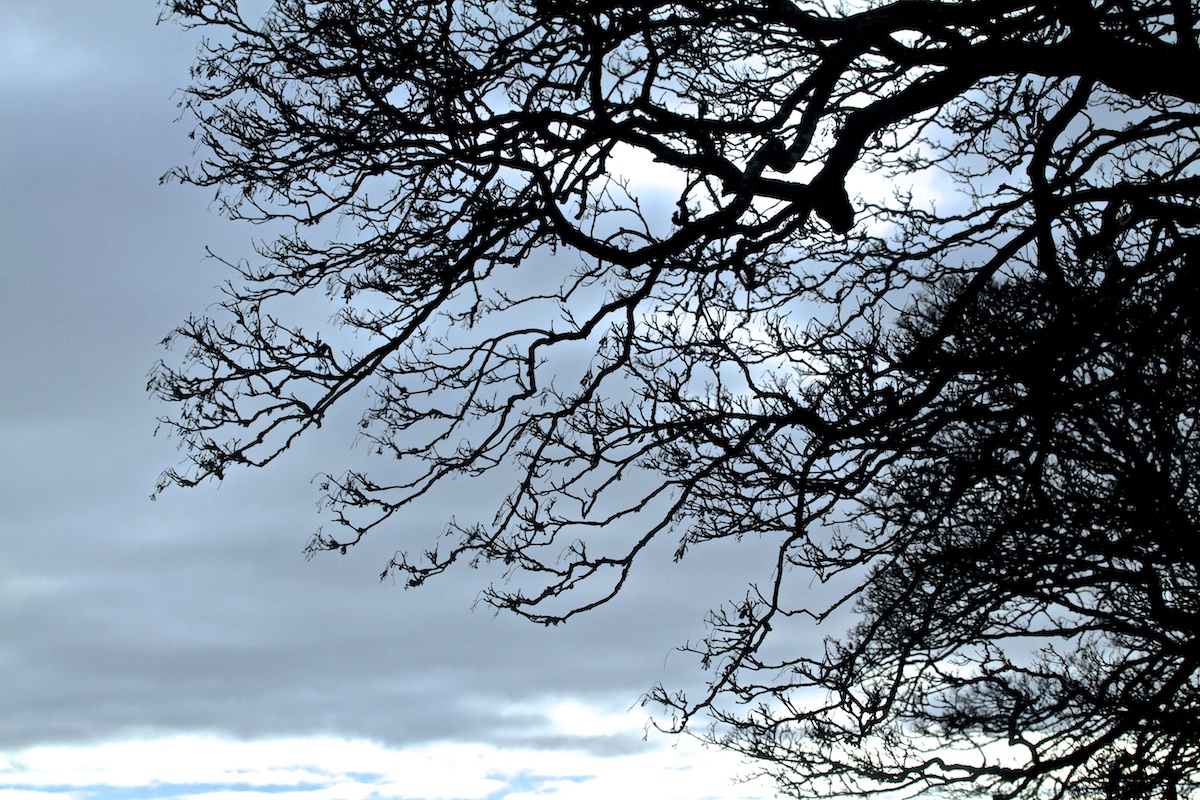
906	292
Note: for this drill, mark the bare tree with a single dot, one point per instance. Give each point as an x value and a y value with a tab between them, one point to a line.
617	250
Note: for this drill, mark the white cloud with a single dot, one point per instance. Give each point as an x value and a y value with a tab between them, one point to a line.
577	719
325	768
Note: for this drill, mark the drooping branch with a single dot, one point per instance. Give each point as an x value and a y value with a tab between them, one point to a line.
903	293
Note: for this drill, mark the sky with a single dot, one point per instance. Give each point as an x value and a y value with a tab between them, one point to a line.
185	648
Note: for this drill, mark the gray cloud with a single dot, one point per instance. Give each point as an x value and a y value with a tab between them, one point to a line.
199	612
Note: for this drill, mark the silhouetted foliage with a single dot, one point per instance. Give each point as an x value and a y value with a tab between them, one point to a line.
908	292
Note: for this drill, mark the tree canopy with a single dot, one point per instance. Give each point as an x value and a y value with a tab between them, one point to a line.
907	292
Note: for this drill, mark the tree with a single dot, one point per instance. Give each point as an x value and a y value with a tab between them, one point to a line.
968	402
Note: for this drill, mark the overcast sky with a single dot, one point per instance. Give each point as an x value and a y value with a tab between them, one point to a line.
185	648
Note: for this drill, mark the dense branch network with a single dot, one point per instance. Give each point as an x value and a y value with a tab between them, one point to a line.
638	256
